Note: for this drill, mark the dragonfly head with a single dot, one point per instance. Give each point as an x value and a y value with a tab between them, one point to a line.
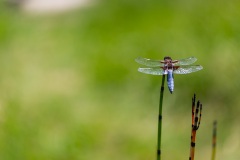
167	59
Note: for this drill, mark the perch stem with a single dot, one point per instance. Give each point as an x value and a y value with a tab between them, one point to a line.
160	119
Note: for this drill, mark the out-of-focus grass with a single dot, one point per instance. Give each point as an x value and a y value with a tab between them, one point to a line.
69	86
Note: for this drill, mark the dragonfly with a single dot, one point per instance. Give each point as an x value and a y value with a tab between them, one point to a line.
168	67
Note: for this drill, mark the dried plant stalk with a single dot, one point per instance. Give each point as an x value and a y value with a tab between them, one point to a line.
214	140
196	119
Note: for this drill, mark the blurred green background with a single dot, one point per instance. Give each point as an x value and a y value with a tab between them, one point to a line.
70	90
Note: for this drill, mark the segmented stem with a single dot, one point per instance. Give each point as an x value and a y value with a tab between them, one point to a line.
160	120
196	119
214	140
193	107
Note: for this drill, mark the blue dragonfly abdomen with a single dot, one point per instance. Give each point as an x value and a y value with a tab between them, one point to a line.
170	80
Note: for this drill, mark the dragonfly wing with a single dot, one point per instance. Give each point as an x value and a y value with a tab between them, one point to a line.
187	69
149	62
153	71
186	61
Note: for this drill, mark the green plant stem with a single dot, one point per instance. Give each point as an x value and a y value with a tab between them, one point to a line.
214	140
160	119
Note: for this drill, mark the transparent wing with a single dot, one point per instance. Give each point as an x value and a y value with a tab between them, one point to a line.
153	71
186	61
187	69
149	62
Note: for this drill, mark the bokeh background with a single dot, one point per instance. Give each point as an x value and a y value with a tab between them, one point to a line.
69	86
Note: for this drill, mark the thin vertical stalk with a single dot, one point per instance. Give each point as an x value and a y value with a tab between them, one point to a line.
160	120
193	132
196	119
193	140
214	140
193	108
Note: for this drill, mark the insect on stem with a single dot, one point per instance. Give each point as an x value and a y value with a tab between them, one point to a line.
168	68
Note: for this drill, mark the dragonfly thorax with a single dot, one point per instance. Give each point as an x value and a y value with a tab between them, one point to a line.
168	66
